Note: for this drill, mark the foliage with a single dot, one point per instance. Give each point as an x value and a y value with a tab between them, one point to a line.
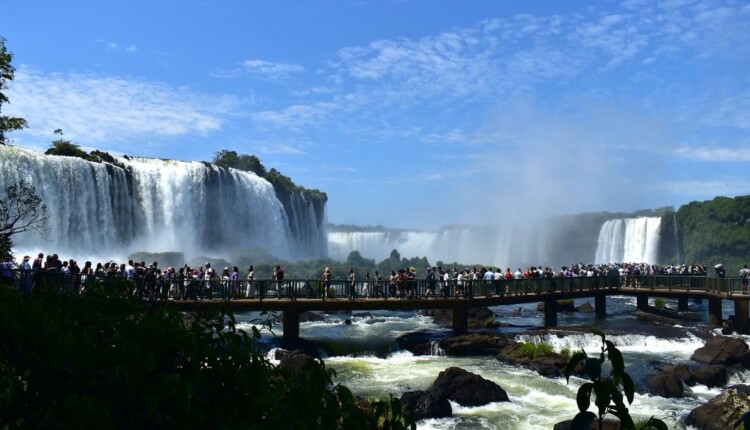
658	302
609	391
21	210
247	163
534	350
66	148
565	353
716	231
103	360
7	72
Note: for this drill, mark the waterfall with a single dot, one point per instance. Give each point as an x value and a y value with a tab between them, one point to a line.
101	209
633	240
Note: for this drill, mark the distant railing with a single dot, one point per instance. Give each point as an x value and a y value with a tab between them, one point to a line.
150	288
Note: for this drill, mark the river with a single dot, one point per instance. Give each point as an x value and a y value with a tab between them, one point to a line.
369	362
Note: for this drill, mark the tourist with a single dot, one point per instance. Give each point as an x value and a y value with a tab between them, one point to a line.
25	276
366	285
208	277
430	278
327	293
278	273
378	285
744	273
249	287
352	278
234	279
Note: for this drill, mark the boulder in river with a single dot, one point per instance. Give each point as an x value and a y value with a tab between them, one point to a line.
424	404
721	350
722	411
466	388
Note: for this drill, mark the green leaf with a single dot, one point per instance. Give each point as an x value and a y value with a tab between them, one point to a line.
616	396
628	387
573	363
626	421
584	396
744	419
601	389
593	368
582	421
615	356
599	333
657	424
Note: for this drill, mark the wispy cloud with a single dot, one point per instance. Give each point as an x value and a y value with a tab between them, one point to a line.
101	110
117	47
261	69
697	189
719	154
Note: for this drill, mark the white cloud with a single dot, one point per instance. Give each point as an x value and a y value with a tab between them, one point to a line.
116	47
718	154
698	189
99	110
262	69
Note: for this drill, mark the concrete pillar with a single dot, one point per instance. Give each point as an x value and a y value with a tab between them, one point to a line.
740	316
291	325
682	304
460	319
714	312
641	301
550	313
600	305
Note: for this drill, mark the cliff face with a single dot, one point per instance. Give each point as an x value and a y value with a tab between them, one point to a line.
100	208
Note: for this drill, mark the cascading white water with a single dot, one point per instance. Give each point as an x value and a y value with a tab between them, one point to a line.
634	240
153	205
492	245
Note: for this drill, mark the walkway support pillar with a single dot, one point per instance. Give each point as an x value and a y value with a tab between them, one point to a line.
740	316
550	312
682	304
291	325
600	305
641	302
714	312
460	319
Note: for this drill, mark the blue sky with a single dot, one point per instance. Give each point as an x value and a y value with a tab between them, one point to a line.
408	113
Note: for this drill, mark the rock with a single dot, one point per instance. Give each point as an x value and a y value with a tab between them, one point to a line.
280	353
477	317
421	405
721	350
606	425
711	376
721	412
310	317
296	360
466	388
586	308
666	384
562	306
473	344
550	366
362	315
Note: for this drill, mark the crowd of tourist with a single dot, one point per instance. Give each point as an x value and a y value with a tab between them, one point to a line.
154	282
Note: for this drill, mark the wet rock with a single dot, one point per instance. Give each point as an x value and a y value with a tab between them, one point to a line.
473	344
418	343
562	306
711	376
477	317
552	366
586	308
423	404
308	316
666	384
466	388
280	353
721	350
722	411
606	425
296	360
362	315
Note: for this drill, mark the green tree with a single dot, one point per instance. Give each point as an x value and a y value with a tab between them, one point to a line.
247	163
64	147
21	210
7	72
103	360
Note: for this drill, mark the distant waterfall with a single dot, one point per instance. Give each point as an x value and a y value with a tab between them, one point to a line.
632	240
157	205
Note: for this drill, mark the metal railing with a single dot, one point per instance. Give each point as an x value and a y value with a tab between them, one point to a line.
179	288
